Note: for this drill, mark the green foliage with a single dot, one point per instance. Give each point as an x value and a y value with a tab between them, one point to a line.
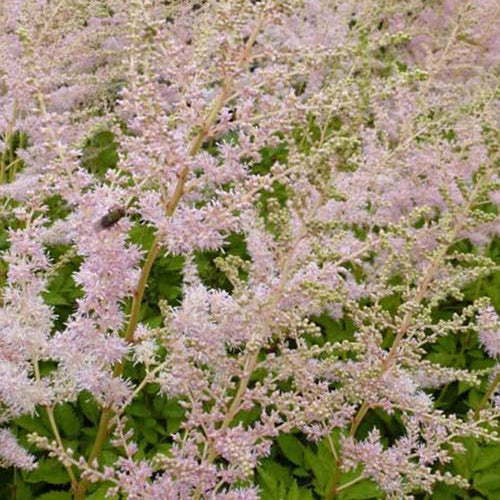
55	495
480	465
334	330
49	471
292	449
99	153
299	470
62	291
10	163
100	493
68	420
32	424
165	278
296	469
88	406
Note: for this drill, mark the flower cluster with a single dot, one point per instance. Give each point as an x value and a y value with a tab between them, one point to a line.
348	145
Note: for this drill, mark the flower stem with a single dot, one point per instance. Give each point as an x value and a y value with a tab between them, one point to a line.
363	410
489	392
107	413
334	489
349	484
53	425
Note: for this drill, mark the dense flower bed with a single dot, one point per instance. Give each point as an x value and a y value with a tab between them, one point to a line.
249	249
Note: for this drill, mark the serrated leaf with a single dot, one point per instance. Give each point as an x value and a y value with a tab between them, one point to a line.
305	494
48	471
150	435
292	448
138	409
89	406
268	483
487	456
174	263
54	299
278	471
67	420
172	409
173	425
293	492
300	472
323	473
488	483
361	491
55	495
32	424
100	493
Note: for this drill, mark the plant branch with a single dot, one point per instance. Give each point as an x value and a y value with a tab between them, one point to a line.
487	395
55	430
171	205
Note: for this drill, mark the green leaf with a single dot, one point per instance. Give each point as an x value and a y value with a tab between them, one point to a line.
173	425
142	236
305	494
247	417
149	423
150	435
279	472
154	321
89	406
443	492
274	481
322	469
361	491
174	263
164	449
55	495
21	490
48	471
169	291
300	472
293	492
54	299
488	483
292	448
67	420
138	409
32	424
268	483
473	398
463	387
158	404
462	466
487	456
100	493
391	303
172	409
107	458
99	153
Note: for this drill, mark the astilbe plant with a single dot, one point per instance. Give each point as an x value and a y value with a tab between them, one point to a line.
384	116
